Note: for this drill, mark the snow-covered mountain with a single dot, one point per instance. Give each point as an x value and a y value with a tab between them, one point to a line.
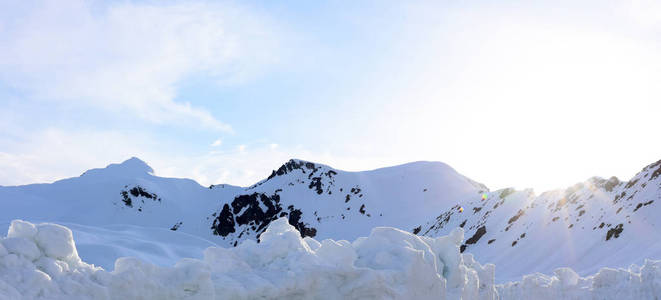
319	201
593	224
587	226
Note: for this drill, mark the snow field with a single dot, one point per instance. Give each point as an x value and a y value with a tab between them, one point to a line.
41	262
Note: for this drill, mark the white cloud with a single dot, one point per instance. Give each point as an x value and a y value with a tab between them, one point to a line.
128	57
217	143
241	148
273	146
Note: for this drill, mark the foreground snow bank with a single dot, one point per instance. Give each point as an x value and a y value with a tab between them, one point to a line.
633	283
41	261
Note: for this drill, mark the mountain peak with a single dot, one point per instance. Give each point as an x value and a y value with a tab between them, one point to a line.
292	164
136	164
130	167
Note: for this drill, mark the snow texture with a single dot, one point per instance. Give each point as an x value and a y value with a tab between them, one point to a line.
41	262
633	283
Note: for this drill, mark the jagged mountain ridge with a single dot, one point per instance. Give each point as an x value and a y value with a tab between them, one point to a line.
586	226
318	200
593	224
324	202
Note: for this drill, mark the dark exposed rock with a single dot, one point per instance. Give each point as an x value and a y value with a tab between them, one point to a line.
417	230
249	205
478	234
614	232
611	183
516	217
126	199
290	166
362	209
618	197
347	198
560	204
223	225
643	204
631	183
463	224
656	172
355	190
491	241
176	226
249	210
135	192
140	192
316	184
506	192
304	229
497	204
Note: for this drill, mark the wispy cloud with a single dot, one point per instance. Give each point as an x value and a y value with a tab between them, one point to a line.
128	57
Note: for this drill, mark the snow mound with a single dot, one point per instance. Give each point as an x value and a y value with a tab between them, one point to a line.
41	262
633	283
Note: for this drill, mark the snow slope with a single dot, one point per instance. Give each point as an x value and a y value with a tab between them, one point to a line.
125	193
102	245
594	224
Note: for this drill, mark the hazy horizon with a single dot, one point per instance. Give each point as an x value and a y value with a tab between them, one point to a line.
529	95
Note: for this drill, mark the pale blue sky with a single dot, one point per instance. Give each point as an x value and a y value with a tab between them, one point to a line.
509	93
